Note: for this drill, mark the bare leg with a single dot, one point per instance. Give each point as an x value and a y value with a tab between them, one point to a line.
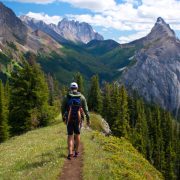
70	143
77	140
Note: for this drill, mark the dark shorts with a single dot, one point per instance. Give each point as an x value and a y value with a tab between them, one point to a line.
73	127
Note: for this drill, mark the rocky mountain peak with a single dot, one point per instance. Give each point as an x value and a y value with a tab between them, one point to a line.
156	73
77	31
28	20
161	29
160	20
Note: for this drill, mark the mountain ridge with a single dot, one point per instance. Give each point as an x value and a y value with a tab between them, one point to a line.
67	30
12	28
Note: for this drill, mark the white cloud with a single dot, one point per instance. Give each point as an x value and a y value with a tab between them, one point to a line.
94	5
132	37
135	15
44	17
129	15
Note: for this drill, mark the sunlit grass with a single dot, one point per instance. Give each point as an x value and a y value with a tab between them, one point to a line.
109	158
38	154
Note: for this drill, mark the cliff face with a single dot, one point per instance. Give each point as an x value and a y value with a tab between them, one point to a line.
11	27
156	74
77	32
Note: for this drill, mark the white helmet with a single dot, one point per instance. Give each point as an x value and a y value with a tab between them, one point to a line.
74	85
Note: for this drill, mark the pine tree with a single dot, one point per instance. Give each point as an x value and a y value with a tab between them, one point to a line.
51	89
42	96
80	81
115	111
29	99
140	132
158	153
107	104
94	96
120	115
124	112
167	133
132	111
20	102
150	130
4	127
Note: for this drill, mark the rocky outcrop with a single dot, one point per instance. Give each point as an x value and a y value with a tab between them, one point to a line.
156	74
77	32
11	27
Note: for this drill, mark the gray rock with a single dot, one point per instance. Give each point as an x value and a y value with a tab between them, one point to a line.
65	30
40	25
156	74
106	128
77	32
11	27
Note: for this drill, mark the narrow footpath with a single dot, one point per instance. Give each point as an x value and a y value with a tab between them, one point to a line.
72	169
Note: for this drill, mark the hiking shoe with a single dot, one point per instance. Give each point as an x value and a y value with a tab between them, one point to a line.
76	154
70	156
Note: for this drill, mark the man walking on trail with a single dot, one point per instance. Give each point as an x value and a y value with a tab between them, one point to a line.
73	108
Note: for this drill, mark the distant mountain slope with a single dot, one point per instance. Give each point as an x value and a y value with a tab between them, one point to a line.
100	47
16	37
62	57
42	26
156	74
66	30
11	27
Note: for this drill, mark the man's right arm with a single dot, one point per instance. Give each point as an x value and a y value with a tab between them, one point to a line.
63	106
85	108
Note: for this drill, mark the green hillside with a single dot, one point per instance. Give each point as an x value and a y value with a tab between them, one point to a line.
40	154
99	57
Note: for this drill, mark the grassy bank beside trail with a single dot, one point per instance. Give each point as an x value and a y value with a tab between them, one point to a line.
108	158
38	154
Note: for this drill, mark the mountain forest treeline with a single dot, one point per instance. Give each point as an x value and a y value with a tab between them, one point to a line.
30	99
151	129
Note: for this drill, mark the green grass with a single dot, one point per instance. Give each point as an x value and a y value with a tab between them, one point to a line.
108	158
96	123
40	154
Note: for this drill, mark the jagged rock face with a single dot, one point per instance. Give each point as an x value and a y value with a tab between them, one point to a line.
40	25
156	74
11	27
77	32
65	30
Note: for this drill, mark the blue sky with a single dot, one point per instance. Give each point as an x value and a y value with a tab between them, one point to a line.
121	20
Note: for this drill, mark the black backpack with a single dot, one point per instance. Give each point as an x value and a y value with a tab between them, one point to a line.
74	107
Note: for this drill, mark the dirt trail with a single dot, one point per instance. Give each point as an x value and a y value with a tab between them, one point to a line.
72	169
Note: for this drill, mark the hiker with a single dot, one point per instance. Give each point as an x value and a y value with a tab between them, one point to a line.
74	107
